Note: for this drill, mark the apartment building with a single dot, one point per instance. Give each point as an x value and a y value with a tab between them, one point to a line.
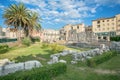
50	35
118	24
105	28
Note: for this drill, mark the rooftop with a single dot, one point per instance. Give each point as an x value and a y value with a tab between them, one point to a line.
103	18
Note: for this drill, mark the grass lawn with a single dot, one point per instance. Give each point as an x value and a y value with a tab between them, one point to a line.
113	64
33	52
74	72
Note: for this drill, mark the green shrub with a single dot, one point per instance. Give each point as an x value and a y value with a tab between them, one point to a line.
26	41
4	48
116	38
57	48
43	73
45	45
35	39
101	58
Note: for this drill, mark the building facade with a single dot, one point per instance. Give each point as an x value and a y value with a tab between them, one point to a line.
69	32
105	28
88	29
10	33
77	33
118	24
50	35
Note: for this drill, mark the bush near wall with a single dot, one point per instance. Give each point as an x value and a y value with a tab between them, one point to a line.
57	48
35	39
43	73
26	41
45	45
101	58
3	48
117	38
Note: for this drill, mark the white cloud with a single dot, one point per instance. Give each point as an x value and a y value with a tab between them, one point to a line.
2	7
66	11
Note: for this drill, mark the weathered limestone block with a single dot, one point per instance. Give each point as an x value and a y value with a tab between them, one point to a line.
64	53
62	61
88	57
32	64
102	46
4	62
0	70
73	62
53	60
11	68
57	55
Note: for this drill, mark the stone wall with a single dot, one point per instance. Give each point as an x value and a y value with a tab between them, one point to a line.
115	46
78	56
13	67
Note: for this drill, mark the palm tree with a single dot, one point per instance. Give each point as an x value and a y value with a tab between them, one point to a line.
34	23
17	16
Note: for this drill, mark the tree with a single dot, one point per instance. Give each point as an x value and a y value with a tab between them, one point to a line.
19	17
34	23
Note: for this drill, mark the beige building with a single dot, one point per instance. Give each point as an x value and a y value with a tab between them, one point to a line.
118	24
68	32
77	33
88	29
50	35
10	33
104	28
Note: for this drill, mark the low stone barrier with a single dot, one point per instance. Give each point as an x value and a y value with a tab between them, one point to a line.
115	46
79	56
13	67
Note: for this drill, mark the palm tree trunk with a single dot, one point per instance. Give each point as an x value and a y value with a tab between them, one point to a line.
18	34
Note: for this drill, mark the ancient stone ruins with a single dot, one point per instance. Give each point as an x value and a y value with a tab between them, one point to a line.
7	66
78	56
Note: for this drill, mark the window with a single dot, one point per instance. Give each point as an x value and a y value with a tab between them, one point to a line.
108	28
98	22
98	26
77	27
112	27
103	24
112	19
107	20
99	37
105	38
71	27
118	20
108	24
103	20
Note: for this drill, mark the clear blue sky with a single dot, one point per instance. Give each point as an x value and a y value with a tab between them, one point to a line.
57	13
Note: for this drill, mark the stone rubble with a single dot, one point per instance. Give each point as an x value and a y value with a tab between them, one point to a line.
115	46
13	67
7	66
79	56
